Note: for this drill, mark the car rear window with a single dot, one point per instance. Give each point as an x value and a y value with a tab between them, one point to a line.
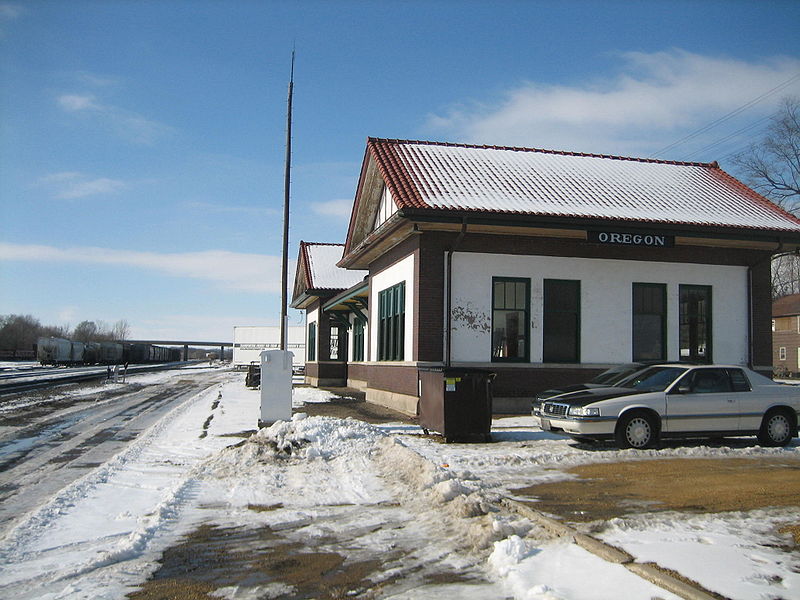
739	380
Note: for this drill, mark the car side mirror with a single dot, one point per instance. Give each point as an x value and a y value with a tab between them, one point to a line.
682	389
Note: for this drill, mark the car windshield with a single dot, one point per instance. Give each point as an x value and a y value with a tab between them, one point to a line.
617	374
654	379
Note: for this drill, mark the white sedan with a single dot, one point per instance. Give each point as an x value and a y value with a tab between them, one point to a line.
678	400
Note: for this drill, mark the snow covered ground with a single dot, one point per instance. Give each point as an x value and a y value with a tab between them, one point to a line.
390	492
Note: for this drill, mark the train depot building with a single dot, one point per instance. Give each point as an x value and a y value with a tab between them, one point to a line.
543	267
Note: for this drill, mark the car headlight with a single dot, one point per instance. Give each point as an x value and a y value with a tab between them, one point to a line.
583	411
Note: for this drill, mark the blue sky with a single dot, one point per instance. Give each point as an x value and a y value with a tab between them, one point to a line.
142	142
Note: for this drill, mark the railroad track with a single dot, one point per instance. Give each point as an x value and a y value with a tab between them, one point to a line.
21	381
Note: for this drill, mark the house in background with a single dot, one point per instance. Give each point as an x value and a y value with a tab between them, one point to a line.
786	335
545	267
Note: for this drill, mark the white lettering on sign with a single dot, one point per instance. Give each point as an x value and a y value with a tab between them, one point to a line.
632	239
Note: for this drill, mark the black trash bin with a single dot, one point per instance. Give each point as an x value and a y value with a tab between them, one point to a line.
253	377
457	403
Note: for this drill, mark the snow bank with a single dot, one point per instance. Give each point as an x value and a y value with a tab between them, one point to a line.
560	570
738	555
309	461
310	395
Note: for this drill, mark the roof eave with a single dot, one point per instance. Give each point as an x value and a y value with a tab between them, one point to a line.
592	223
304	299
348	294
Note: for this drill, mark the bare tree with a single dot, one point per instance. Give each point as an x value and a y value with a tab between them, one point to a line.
772	167
19	332
85	331
121	331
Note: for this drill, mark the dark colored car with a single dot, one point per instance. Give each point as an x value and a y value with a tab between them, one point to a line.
608	378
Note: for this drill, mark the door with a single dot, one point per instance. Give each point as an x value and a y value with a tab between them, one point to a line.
703	400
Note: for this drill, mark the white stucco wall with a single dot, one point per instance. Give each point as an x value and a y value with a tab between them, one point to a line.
402	270
606	304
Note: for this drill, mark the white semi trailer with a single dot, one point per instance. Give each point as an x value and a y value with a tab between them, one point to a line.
249	342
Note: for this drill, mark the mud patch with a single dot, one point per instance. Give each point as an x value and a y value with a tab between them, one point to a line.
793	530
239	434
264	507
214	557
608	490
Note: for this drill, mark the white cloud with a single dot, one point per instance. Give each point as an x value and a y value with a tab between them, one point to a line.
9	12
95	80
69	185
256	273
76	102
123	122
655	99
333	208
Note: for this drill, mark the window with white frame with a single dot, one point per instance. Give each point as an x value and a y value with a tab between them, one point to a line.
510	319
334	345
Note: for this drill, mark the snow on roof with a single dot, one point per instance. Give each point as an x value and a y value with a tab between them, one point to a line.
549	183
322	270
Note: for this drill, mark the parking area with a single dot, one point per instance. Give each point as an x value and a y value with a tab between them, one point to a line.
611	489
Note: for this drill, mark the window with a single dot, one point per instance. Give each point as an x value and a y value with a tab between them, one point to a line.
707	381
510	319
391	322
358	340
562	321
782	353
312	341
649	321
334	343
695	322
739	380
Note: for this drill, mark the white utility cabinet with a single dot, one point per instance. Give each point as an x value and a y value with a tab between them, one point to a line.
276	386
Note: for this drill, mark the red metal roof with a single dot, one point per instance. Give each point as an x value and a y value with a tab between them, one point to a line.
461	177
319	262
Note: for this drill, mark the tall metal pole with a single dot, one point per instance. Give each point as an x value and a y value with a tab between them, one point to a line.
286	183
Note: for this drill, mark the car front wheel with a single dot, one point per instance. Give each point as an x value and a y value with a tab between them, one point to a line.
636	430
776	429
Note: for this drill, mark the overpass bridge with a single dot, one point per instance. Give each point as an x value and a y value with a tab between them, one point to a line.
186	344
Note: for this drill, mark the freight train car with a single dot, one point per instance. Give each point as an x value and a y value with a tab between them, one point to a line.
59	351
54	351
110	353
